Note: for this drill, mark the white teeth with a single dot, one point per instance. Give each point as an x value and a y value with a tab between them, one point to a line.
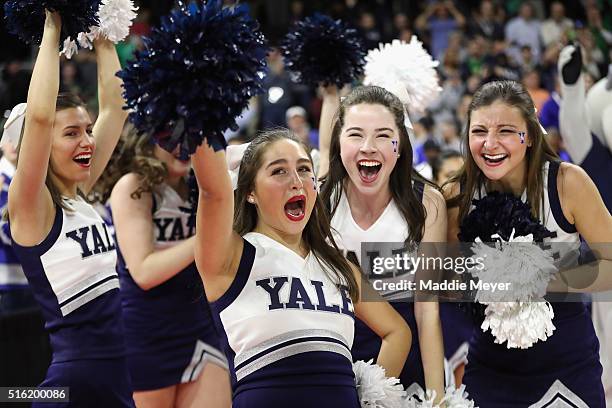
369	163
494	156
83	156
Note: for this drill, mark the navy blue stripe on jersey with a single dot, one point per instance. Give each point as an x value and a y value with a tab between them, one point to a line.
88	289
419	189
240	280
553	199
288	343
598	165
224	342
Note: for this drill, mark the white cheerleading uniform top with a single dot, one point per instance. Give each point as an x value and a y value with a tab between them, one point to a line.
72	275
281	306
171	216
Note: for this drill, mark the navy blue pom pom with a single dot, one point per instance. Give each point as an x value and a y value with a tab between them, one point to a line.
26	18
500	213
196	75
319	50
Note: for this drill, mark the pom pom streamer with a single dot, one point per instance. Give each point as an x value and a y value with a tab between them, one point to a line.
26	18
453	398
406	70
194	193
319	50
116	17
375	389
196	75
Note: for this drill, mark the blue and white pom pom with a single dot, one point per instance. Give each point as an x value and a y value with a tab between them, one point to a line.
26	18
195	76
115	16
406	70
375	389
319	50
518	316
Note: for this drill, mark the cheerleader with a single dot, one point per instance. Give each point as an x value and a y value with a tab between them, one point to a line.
506	151
63	245
283	296
172	347
374	196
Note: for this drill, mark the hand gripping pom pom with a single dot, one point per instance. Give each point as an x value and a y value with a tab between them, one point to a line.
453	398
375	389
406	70
195	76
26	18
319	50
518	316
116	17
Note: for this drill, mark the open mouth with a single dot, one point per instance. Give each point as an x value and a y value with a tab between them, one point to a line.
295	208
83	159
368	170
494	159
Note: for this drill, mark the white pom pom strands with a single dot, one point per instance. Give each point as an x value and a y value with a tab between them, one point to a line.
406	70
519	316
453	398
116	17
375	389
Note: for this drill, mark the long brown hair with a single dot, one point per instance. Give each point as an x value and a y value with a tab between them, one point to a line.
317	233
470	178
135	153
65	100
402	175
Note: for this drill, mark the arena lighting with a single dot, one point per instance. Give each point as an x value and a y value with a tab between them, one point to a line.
275	93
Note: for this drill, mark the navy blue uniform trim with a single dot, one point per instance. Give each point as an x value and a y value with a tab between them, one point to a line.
553	199
242	276
288	343
87	289
51	237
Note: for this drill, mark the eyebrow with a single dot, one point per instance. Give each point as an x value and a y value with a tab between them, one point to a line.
501	125
77	127
284	161
377	130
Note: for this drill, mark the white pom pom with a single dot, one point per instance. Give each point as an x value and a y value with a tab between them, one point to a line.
69	48
376	390
406	70
519	315
521	324
116	18
457	398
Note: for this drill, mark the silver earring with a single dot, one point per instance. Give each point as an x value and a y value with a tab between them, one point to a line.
250	200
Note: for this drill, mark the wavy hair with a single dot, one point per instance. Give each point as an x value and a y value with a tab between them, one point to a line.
317	233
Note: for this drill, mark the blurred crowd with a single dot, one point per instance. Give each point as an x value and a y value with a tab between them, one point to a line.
474	41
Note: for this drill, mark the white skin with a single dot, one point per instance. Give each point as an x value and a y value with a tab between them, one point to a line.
150	267
286	173
494	131
52	141
370	135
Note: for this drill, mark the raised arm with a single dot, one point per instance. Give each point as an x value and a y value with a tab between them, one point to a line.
111	116
135	235
217	246
30	205
331	103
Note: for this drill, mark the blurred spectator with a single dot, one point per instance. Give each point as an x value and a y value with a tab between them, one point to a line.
13	85
448	164
462	110
297	121
369	31
539	95
556	143
449	135
452	89
557	24
484	23
400	24
601	36
528	60
474	62
592	57
440	19
422	133
549	114
523	30
432	150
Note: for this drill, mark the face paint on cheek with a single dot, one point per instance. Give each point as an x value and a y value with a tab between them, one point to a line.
394	143
522	137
